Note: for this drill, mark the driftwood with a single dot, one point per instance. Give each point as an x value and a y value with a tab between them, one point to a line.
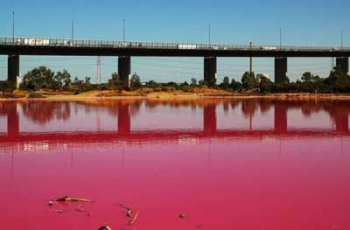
105	227
71	199
131	222
128	212
50	203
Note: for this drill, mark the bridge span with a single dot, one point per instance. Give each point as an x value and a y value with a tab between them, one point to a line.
14	47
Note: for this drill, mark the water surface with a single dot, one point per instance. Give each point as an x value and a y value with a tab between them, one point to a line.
228	164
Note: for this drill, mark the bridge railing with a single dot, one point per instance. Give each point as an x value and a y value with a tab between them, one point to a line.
19	41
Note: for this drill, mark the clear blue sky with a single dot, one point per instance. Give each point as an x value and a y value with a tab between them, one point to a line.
310	22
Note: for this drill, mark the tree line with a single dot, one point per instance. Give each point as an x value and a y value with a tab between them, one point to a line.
44	78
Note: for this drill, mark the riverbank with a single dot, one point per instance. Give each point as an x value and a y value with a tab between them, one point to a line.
148	94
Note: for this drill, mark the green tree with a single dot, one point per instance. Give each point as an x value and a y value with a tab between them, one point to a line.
6	86
264	84
225	83
135	82
63	79
39	78
338	81
114	79
235	85
87	80
309	77
152	84
249	81
202	83
77	81
193	82
212	82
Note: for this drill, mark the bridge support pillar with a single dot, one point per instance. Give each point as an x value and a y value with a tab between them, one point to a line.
13	68
124	67
343	64
210	70
281	68
281	121
209	119
124	120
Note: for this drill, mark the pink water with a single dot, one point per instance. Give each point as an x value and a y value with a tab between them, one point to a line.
250	164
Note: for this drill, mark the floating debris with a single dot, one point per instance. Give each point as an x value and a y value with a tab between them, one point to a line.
105	227
71	199
183	216
59	211
131	222
128	212
50	204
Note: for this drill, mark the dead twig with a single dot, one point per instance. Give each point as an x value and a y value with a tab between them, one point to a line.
131	222
105	227
71	199
128	212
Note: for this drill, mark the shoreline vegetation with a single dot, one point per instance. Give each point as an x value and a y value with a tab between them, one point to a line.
42	83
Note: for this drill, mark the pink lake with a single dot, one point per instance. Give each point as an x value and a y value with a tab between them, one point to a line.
227	164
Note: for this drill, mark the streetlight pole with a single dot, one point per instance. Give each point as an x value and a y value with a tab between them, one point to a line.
124	30
209	33
13	27
280	38
341	39
72	30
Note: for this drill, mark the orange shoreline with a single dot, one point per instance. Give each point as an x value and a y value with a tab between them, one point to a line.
106	95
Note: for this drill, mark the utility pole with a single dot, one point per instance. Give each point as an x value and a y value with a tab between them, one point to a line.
72	30
13	27
209	33
98	72
280	38
123	30
251	58
341	39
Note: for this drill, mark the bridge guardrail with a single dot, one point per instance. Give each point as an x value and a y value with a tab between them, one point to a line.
20	41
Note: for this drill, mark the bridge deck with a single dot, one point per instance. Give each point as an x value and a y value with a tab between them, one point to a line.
69	47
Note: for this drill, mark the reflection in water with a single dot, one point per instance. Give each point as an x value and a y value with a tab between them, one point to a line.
123	112
230	164
43	113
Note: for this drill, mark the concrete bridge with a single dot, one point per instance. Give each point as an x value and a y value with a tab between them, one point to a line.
15	47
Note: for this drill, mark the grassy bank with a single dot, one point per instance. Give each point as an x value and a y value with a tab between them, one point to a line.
147	93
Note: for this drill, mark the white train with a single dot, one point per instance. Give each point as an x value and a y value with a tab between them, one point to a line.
187	46
36	42
268	48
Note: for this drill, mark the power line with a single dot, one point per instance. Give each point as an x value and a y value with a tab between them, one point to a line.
230	69
220	64
62	65
54	60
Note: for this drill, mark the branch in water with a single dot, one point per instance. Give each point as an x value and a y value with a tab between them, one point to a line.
71	199
134	219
